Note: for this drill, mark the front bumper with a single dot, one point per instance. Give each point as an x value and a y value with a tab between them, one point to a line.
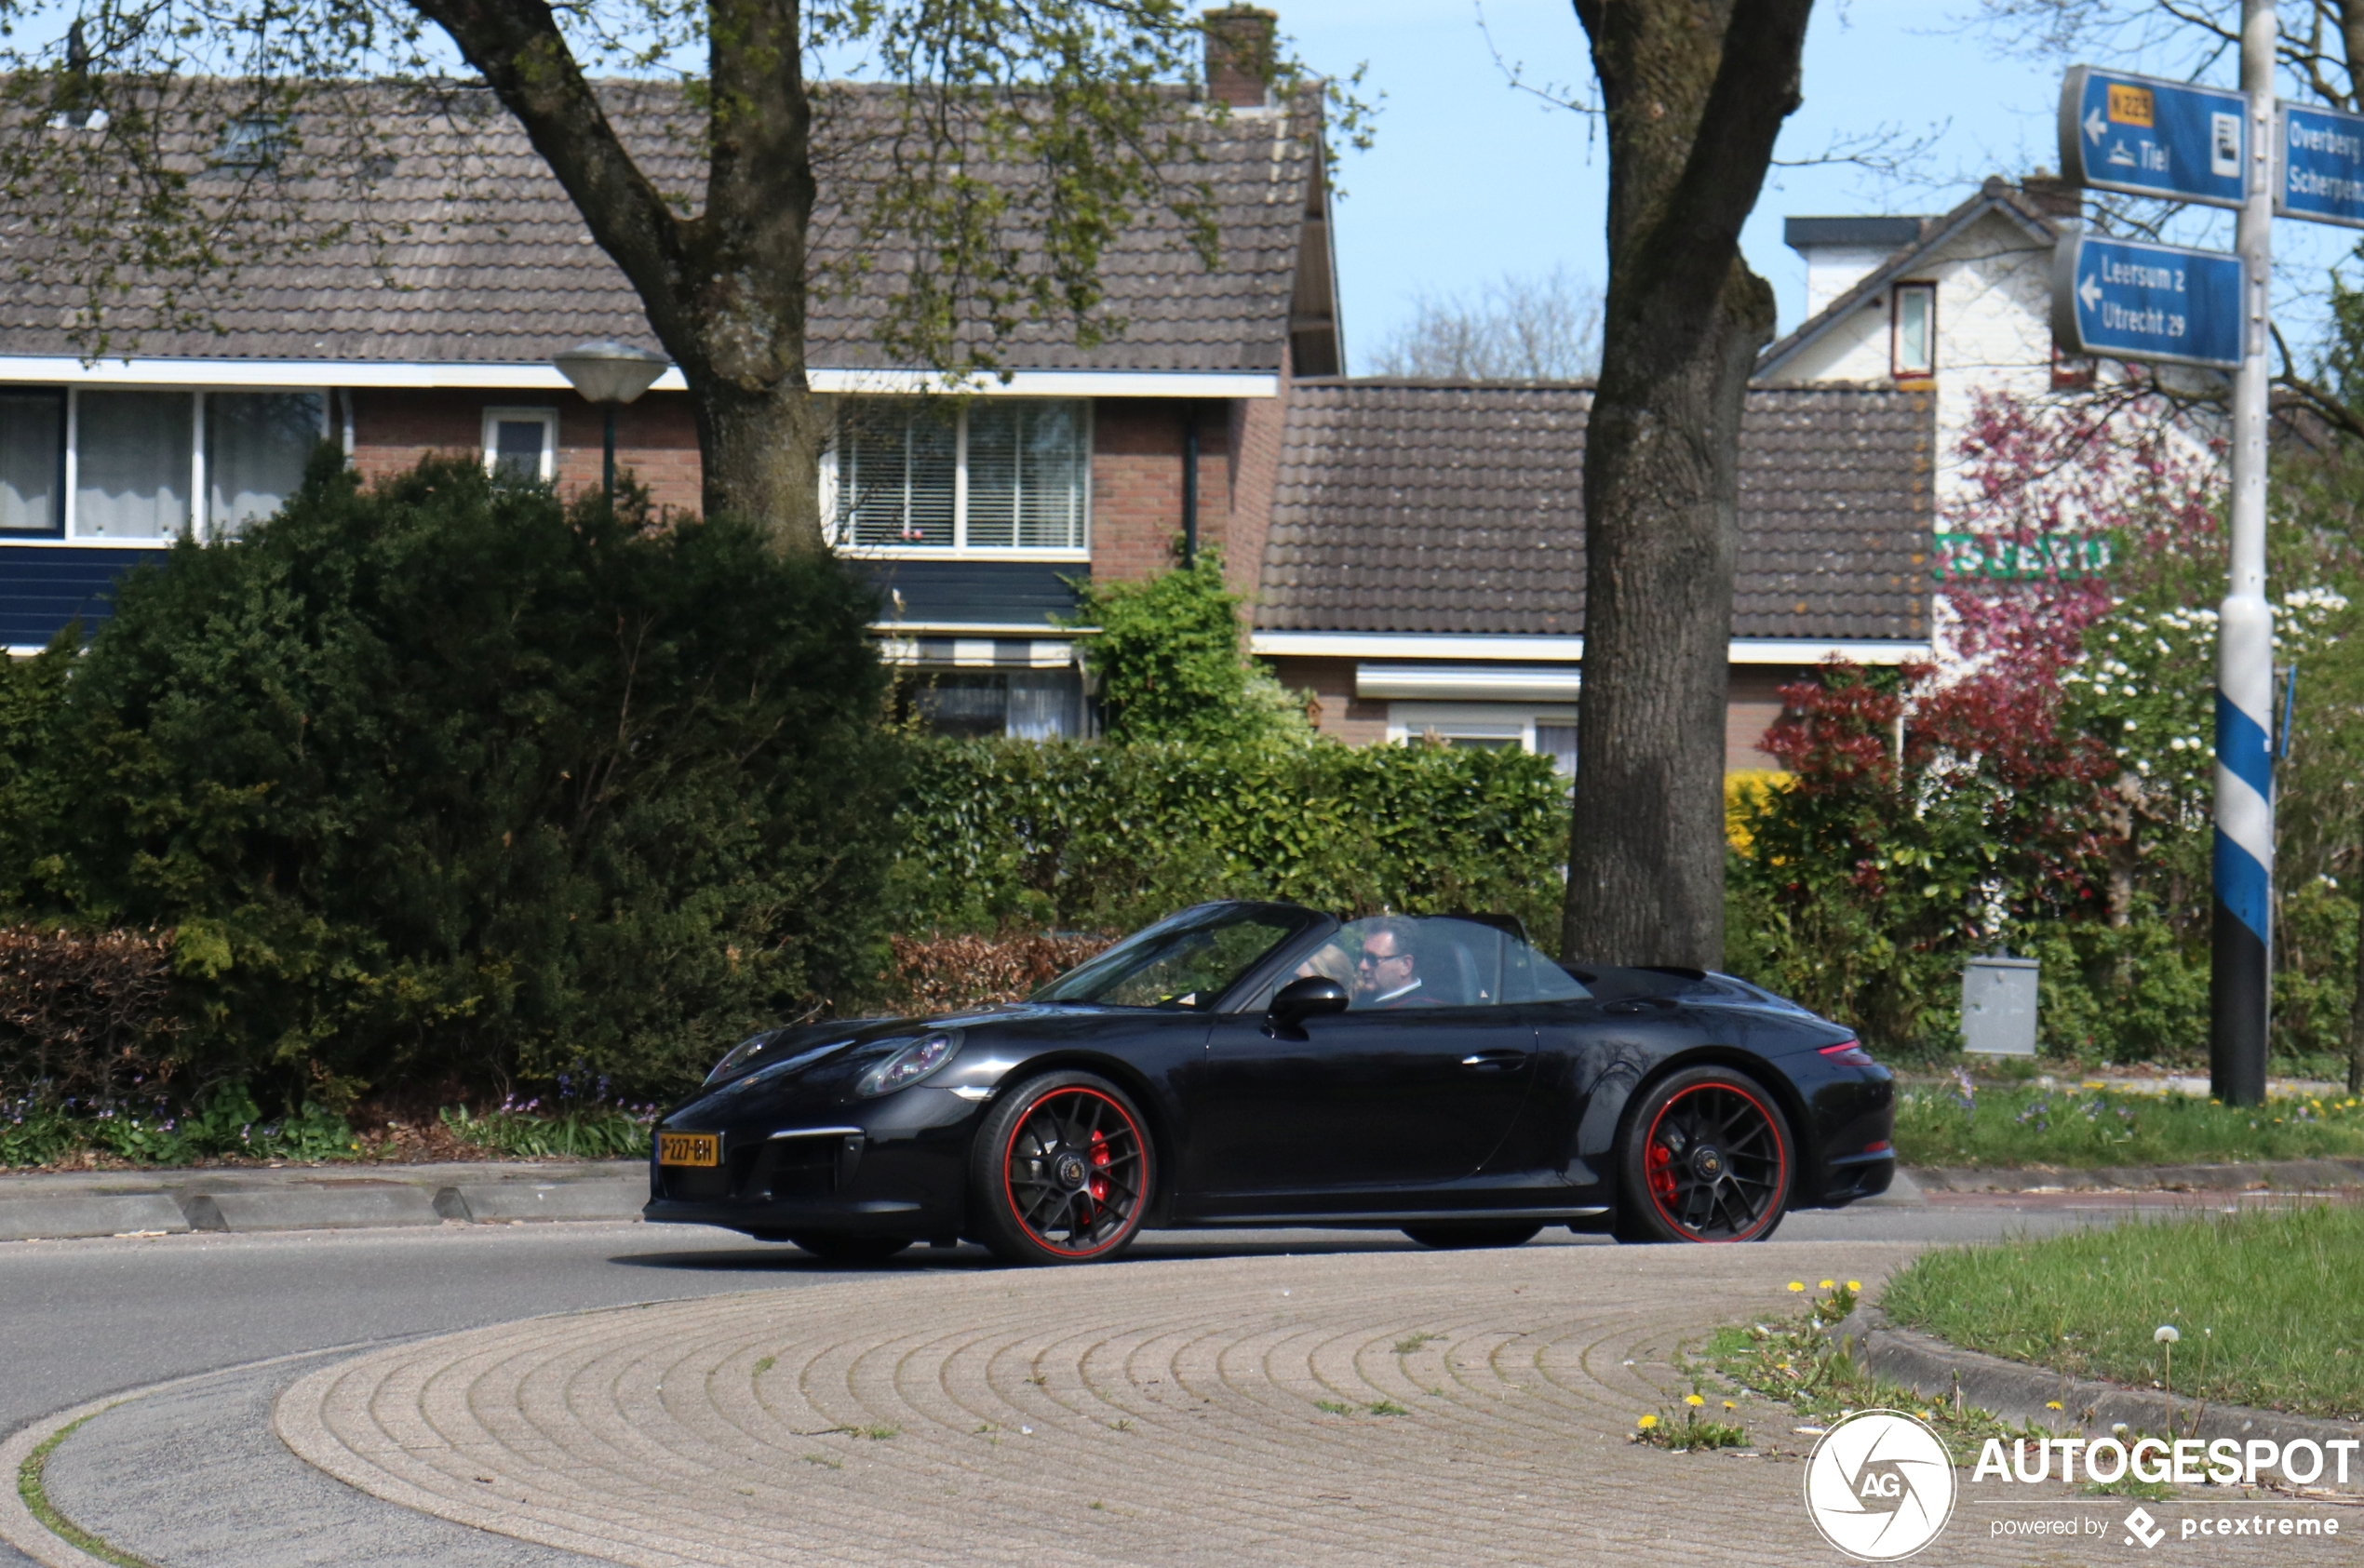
890	1180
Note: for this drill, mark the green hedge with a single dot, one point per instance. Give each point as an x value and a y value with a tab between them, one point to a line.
445	787
1105	836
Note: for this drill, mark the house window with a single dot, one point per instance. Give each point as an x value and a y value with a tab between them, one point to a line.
102	464
32	474
1032	704
1913	330
990	476
1548	732
256	446
521	443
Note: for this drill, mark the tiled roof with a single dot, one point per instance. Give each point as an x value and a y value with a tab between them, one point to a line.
1412	507
497	266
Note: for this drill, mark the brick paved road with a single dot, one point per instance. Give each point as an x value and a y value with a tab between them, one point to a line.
1161	1414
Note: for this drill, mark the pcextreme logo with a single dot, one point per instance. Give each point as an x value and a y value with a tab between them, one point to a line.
1879	1485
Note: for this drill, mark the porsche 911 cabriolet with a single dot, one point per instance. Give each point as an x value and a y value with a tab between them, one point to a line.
1264	1065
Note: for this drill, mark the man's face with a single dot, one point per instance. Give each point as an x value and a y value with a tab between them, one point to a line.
1384	966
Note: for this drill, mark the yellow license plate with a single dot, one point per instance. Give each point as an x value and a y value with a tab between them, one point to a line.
688	1148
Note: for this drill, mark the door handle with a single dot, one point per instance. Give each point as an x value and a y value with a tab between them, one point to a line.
1629	1008
1493	1060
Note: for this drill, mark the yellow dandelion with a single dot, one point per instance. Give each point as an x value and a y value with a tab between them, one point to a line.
1925	1416
1798	1284
1855	1284
1729	1405
2051	1404
1693	1401
1829	1283
1647	1422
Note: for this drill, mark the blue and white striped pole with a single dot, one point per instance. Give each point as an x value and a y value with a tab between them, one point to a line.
2242	947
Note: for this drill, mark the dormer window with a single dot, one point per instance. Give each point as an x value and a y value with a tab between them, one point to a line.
251	142
1913	331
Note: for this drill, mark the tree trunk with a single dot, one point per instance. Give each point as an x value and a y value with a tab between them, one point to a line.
724	290
1695	95
2355	1008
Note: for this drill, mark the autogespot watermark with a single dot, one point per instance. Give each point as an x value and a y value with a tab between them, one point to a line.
1881	1486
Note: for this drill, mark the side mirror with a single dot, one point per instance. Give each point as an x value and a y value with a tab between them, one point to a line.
1309	995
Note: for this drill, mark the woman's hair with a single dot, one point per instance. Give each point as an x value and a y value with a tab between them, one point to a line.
1330	962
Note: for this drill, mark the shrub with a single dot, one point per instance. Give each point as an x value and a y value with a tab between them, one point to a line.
85	1014
1172	665
445	786
999	834
947	973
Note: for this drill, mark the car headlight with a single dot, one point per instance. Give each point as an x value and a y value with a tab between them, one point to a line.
739	1055
907	1065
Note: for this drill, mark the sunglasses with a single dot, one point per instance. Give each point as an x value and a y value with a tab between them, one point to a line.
1376	959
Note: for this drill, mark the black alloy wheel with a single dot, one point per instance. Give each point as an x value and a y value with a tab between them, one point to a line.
1061	1172
836	1246
1453	1235
1706	1157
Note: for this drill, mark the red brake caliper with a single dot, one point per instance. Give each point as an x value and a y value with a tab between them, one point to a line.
1661	1172
1099	1161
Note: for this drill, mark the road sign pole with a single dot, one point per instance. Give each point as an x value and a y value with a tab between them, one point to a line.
2241	958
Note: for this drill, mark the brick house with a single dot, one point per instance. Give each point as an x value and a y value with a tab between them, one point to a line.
970	513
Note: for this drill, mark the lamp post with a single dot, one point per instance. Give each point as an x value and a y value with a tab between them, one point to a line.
609	374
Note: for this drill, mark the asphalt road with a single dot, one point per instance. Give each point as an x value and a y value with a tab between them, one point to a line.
79	1320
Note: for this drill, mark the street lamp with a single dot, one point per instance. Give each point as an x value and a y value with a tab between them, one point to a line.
609	374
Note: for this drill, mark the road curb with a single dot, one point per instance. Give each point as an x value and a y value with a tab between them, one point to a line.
70	1207
1936	1369
2281	1175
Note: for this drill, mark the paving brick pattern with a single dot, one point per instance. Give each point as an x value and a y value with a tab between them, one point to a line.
1155	1414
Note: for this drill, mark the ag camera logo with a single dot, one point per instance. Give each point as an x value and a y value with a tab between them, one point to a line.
1879	1485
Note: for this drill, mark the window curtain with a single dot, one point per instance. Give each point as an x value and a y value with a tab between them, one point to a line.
256	447
32	432
132	466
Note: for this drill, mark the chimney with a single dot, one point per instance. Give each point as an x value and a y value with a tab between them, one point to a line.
2052	195
1239	54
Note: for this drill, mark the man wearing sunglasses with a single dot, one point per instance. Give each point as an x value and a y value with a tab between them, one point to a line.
1384	975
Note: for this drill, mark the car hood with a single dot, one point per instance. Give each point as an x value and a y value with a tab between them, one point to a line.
820	1063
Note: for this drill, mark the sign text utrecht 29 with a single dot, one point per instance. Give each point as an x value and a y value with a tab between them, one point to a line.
2152	137
2131	299
2322	166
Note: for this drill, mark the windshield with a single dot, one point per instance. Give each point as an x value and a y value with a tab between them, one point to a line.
1185	961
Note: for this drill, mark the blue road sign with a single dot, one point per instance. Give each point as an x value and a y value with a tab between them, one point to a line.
2131	299
2153	138
2322	170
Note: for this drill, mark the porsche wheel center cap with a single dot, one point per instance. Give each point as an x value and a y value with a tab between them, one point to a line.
1070	1170
1707	1162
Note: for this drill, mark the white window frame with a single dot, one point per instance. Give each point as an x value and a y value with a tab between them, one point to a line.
960	549
195	523
496	417
1407	721
1896	366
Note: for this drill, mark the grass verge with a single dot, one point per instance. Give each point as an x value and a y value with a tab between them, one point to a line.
36	1499
1967	1123
2269	1306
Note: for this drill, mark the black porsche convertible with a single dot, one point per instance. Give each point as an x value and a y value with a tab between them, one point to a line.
1265	1065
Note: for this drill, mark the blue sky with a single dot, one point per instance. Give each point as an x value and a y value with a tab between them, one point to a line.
1470	180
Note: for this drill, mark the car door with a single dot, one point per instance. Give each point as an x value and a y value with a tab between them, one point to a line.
1359	1112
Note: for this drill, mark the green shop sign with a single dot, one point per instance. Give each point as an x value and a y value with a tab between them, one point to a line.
1961	555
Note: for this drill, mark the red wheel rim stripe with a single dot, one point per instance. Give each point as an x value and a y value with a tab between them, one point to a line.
1131	1221
1781	1151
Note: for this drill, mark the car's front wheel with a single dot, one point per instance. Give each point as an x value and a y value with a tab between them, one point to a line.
1706	1157
1061	1172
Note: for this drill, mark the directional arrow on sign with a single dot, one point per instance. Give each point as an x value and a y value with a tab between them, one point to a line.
2089	291
2096	127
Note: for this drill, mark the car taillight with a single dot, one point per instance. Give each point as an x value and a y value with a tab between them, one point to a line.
1849	1053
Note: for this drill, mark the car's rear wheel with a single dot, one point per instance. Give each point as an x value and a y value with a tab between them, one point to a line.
1455	1234
1708	1157
1061	1172
836	1246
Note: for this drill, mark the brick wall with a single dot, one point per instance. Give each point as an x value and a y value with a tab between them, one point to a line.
656	437
1341	714
1752	703
1136	483
1255	471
